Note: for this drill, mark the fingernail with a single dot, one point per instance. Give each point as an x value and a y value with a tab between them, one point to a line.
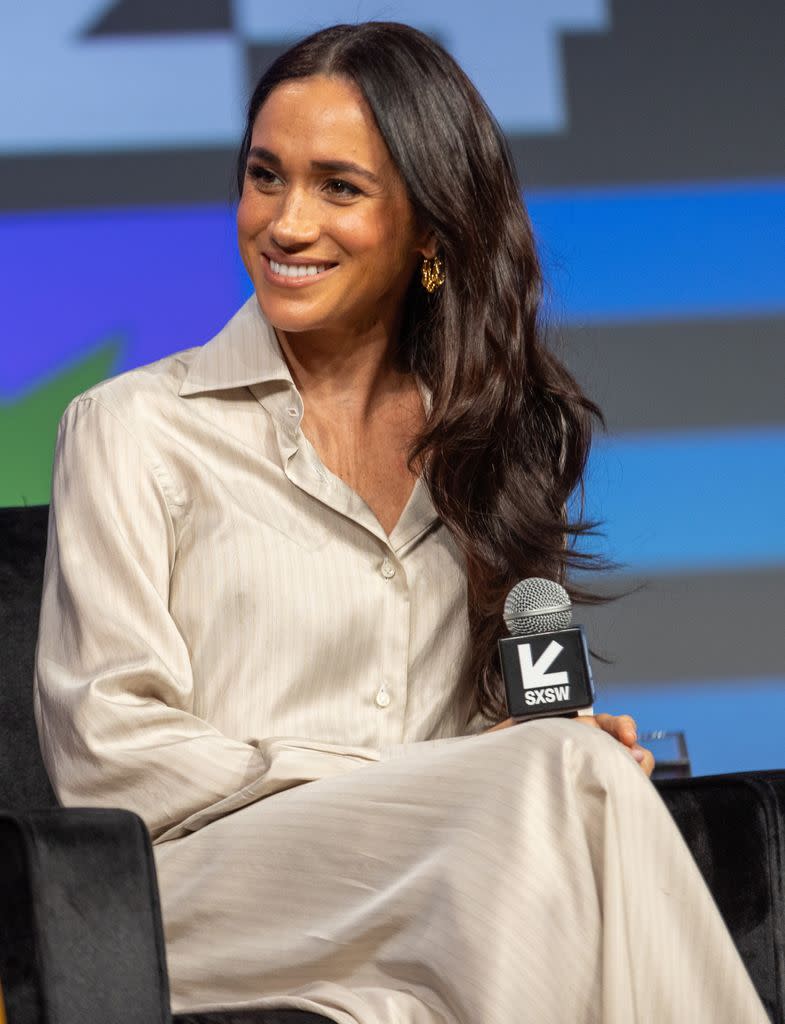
638	753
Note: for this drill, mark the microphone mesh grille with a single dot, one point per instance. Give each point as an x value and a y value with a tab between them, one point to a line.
537	606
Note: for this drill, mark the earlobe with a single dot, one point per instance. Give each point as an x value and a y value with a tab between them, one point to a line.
429	248
429	245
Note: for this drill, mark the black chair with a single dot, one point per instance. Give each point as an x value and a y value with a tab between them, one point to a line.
81	940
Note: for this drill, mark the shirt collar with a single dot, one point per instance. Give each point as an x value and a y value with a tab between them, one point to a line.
246	351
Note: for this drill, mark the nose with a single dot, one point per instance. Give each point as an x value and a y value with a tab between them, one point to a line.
295	223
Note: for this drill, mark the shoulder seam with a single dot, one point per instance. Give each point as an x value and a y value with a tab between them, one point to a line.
157	467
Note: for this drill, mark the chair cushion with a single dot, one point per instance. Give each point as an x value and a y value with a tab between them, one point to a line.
734	826
24	783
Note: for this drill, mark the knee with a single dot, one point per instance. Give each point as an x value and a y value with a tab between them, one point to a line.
549	752
586	752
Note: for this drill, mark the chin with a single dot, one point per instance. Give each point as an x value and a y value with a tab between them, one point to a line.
284	318
298	313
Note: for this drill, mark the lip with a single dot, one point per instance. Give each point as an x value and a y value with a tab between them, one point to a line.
293	282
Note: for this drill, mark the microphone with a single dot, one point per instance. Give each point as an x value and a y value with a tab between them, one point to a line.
545	661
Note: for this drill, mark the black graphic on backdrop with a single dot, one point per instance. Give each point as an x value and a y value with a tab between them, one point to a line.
676	90
149	17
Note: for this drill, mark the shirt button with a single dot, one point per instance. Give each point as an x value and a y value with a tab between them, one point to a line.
292	410
388	569
383	698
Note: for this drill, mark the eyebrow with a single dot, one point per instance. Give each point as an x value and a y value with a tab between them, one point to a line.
335	166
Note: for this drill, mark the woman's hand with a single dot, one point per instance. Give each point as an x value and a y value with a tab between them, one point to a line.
502	725
621	727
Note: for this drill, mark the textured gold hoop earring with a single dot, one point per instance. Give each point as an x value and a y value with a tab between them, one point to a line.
432	274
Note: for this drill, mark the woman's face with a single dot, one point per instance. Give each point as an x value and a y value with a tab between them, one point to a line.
323	199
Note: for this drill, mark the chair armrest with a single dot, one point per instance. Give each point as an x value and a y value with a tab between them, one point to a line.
734	826
80	923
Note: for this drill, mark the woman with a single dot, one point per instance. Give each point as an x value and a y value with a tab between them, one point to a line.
273	589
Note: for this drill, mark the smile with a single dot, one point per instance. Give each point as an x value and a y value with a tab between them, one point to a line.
294	274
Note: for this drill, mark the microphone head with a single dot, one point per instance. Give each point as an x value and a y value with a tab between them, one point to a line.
537	606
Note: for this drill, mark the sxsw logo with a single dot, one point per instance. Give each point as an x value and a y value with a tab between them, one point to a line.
546	674
541	686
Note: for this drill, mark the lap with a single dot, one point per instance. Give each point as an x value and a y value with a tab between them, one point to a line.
449	881
420	786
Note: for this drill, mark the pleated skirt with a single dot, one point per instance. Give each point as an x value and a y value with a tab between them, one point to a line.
530	874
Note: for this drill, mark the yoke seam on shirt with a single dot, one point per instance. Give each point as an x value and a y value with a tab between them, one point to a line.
160	474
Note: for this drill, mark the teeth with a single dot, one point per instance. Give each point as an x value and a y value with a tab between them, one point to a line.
286	270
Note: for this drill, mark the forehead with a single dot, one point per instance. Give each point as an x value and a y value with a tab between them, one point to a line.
326	116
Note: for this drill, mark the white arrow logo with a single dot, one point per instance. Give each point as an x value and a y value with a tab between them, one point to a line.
535	674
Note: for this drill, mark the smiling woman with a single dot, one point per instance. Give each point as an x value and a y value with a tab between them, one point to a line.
331	260
274	586
356	234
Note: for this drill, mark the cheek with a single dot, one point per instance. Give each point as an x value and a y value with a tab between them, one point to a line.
380	240
250	216
358	233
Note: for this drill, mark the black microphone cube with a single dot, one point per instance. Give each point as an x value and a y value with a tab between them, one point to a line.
546	674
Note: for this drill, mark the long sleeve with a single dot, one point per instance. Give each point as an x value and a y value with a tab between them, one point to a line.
113	680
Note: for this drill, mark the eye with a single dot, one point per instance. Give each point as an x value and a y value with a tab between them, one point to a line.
261	175
342	189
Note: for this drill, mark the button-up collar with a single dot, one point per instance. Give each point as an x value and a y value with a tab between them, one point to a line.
247	353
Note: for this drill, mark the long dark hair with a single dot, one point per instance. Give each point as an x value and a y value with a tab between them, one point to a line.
505	445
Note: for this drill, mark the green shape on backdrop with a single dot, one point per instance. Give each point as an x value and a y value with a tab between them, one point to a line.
28	426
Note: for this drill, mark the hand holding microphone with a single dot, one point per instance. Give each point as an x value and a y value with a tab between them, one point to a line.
545	665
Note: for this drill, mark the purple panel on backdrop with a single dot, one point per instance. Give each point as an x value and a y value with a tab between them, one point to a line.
162	279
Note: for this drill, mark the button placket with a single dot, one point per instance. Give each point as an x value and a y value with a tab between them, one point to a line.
391	696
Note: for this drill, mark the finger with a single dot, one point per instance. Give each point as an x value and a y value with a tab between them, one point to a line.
502	725
644	757
622	727
627	729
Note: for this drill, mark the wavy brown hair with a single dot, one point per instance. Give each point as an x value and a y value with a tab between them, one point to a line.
505	445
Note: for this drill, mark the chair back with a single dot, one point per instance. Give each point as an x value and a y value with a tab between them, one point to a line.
24	784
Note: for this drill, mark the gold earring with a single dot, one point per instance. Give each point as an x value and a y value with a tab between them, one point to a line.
432	274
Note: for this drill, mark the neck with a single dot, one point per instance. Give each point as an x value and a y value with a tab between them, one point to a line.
339	368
